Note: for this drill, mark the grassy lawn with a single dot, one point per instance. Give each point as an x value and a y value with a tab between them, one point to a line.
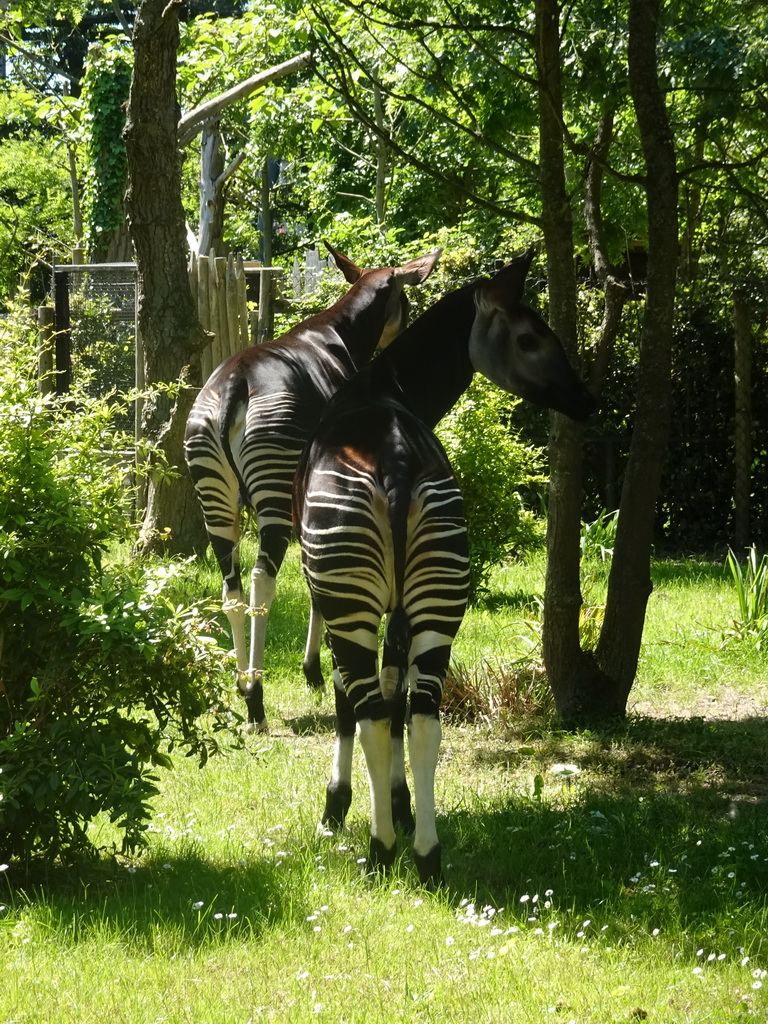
632	889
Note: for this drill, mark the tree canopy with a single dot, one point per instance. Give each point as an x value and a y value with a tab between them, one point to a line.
626	142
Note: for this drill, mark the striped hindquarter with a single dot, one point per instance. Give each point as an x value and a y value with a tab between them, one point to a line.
250	460
247	429
382	531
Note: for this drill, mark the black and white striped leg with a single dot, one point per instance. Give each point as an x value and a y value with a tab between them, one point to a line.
376	741
402	814
424	734
313	673
430	657
338	794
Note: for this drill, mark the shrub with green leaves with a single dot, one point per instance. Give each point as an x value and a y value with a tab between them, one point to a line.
100	671
494	468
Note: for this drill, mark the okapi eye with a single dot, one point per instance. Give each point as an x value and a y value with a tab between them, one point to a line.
528	342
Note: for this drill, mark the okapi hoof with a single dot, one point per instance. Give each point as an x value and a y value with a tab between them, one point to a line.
429	867
338	797
257	727
402	814
254	702
313	673
380	857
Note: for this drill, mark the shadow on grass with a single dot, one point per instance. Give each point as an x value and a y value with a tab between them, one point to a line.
309	724
640	751
520	600
182	902
669	861
688	571
667	821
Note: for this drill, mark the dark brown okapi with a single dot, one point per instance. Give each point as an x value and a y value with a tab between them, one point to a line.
247	429
380	520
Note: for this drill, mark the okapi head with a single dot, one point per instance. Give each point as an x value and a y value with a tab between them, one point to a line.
394	279
512	346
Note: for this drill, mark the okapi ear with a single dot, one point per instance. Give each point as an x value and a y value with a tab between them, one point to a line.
350	270
417	271
505	288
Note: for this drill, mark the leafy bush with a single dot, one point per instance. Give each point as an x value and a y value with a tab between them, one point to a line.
493	468
100	672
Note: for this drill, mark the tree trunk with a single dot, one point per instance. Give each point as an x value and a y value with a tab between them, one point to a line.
171	332
212	160
382	158
742	426
569	669
589	686
266	216
629	584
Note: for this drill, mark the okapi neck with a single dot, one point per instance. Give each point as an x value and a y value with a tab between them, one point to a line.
430	359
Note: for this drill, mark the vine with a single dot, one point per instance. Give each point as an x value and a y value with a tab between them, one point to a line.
106	85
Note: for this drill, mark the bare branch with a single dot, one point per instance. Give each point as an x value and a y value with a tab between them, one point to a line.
410	157
192	124
340	47
42	62
367	6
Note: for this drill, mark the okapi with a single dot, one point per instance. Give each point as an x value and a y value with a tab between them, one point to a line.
249	424
380	520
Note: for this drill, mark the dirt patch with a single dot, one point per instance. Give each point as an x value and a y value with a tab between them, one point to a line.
728	704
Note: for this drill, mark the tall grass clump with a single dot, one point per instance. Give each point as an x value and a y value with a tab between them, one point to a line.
751	585
101	671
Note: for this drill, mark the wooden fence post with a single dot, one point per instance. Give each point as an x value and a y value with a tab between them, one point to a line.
45	350
219	311
266	307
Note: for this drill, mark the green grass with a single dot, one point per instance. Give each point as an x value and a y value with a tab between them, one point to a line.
634	889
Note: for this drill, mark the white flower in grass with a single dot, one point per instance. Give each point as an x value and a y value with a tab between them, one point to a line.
198	905
449	940
564	771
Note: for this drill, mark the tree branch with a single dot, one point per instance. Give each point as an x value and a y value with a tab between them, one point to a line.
192	123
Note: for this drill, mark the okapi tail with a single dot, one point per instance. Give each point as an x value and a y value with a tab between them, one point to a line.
397	638
233	396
